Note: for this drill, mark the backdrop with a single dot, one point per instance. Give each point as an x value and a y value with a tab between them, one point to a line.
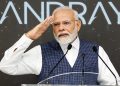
100	23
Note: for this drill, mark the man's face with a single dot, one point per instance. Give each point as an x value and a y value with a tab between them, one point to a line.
65	25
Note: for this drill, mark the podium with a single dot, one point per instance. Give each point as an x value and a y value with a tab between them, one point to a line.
54	85
64	75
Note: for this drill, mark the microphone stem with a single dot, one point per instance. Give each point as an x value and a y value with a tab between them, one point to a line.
82	83
57	63
108	68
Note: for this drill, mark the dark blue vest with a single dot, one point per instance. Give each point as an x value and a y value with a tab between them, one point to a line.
63	73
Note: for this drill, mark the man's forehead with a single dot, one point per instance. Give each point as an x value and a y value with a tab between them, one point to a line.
63	15
63	18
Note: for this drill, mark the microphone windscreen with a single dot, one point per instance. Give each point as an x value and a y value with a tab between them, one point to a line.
94	49
69	47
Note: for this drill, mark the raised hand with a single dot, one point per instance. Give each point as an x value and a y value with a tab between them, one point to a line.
39	29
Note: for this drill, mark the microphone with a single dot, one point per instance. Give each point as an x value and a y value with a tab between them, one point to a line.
83	65
68	48
95	50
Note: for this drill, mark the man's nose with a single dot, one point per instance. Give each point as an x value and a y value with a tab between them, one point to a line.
61	27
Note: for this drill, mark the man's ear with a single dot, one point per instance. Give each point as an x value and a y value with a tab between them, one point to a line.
78	25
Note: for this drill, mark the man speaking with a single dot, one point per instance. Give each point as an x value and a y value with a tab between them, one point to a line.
65	60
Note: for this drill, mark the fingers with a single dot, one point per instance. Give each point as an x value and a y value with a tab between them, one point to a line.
44	24
48	20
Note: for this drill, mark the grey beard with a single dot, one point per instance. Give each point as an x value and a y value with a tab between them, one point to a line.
68	39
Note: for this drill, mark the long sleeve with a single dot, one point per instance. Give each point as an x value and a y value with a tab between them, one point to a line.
16	62
105	77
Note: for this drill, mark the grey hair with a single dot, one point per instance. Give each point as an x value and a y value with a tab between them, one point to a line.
67	8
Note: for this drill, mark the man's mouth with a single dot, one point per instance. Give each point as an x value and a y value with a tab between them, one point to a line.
63	35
